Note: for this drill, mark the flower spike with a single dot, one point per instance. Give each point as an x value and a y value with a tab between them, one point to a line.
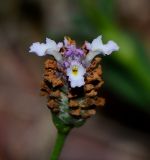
72	80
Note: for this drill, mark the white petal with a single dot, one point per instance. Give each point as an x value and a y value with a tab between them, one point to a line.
110	47
90	56
76	80
50	47
96	43
54	53
54	49
97	47
77	83
52	44
38	48
60	45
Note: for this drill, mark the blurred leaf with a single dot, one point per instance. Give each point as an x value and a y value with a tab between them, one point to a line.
130	90
100	15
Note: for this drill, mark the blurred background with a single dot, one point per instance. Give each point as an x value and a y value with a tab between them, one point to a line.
120	130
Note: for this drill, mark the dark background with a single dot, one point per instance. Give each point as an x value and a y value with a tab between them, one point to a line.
120	130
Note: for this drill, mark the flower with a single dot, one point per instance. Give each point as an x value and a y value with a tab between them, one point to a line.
76	74
97	47
73	78
50	47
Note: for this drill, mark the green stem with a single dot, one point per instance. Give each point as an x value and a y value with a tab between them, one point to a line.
60	140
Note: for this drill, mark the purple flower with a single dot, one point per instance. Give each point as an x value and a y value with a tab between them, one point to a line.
66	64
79	52
73	51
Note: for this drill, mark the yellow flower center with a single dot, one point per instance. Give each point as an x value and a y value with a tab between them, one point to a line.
75	70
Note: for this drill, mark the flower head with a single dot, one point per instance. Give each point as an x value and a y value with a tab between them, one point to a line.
72	79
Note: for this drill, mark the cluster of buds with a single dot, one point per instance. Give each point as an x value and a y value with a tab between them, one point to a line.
73	77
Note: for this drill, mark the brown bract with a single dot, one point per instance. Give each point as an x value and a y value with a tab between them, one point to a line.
82	101
50	85
87	99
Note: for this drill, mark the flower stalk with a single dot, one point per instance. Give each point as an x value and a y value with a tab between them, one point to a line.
60	140
62	132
